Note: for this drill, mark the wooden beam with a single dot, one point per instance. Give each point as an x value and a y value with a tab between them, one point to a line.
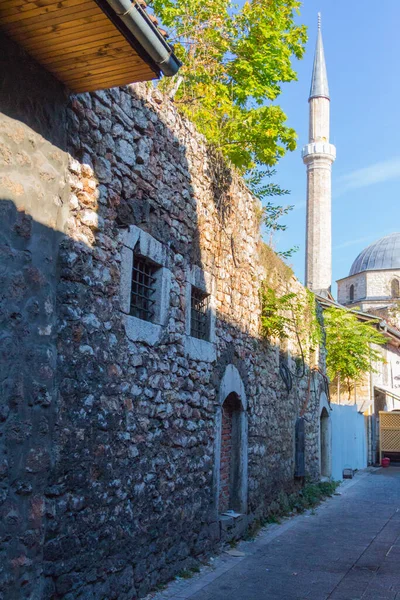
23	5
105	71
101	84
78	24
92	41
14	15
69	35
89	65
112	50
52	20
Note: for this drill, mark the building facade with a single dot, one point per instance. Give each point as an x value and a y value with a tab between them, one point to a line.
372	290
373	282
140	403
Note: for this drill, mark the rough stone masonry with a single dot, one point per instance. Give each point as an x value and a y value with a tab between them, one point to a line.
110	447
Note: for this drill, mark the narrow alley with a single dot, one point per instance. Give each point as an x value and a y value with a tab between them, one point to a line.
349	549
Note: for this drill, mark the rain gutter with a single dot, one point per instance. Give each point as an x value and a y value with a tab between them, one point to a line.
146	33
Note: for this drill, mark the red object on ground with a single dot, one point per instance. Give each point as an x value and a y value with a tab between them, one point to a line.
385	462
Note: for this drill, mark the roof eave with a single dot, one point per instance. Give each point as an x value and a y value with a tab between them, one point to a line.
149	42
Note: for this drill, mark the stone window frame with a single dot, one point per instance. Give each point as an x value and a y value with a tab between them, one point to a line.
195	348
134	240
200	305
351	292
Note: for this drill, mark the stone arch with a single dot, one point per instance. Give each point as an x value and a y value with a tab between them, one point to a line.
325	437
232	404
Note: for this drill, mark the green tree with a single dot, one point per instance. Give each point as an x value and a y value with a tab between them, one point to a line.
234	63
350	346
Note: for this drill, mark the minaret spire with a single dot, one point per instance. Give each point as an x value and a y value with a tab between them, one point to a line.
319	155
319	82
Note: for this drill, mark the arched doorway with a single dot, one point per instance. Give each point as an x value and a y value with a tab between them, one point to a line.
324	443
229	496
230	473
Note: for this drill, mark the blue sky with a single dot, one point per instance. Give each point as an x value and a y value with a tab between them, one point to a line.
362	46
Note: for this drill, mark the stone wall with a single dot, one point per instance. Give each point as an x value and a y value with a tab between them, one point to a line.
122	446
33	211
135	488
379	283
359	282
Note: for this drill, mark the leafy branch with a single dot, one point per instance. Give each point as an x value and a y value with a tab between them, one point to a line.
271	213
275	313
235	60
350	346
289	313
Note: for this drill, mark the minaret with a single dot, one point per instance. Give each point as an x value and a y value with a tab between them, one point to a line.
319	155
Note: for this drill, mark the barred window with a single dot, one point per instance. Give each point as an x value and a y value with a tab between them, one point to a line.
200	315
143	288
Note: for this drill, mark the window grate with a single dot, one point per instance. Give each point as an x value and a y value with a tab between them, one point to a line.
143	288
200	321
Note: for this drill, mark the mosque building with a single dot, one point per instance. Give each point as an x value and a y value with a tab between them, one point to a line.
372	287
373	282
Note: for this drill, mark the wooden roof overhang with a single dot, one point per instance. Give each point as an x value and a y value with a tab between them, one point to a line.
82	43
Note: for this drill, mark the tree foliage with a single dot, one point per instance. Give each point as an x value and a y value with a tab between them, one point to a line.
276	318
283	314
256	180
350	346
234	63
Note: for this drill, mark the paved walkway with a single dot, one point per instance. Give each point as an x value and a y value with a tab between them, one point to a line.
349	549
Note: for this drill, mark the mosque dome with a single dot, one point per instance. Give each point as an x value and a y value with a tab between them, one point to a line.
382	254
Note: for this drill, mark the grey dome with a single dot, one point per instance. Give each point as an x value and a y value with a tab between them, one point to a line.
383	254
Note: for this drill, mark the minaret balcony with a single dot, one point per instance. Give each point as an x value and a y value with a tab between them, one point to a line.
323	149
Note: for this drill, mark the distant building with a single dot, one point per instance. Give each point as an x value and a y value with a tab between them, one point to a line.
373	282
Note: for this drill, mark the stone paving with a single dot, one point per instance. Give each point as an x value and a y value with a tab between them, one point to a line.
348	549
